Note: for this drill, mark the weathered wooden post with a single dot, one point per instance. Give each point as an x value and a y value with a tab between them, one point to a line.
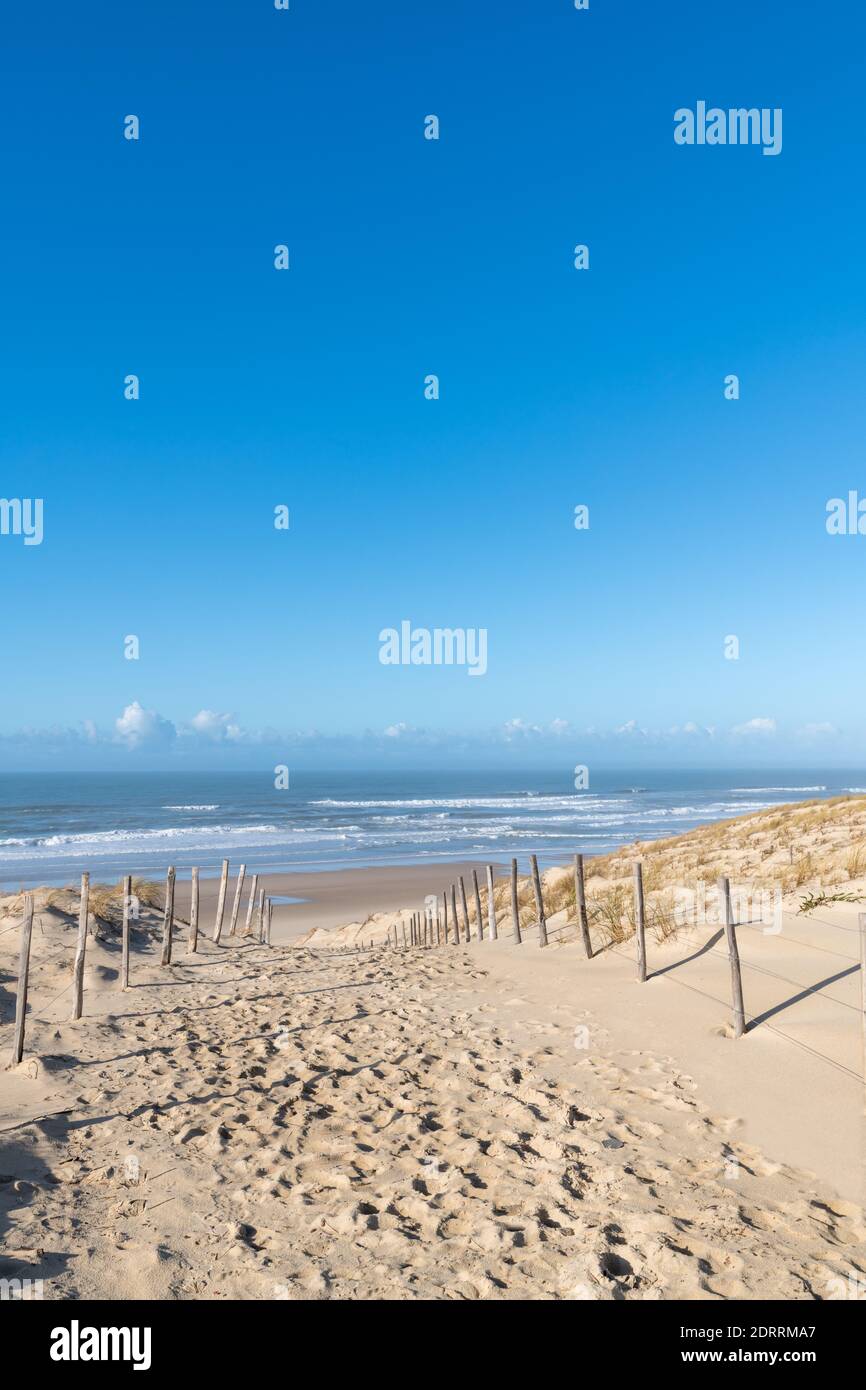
445	916
580	900
640	921
80	948
454	915
463	905
479	920
539	902
124	949
515	908
192	944
261	915
491	905
221	902
268	918
438	927
862	922
734	958
23	979
251	905
403	929
168	918
237	902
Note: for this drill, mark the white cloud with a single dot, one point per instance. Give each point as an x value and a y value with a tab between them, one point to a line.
630	729
138	727
760	726
217	727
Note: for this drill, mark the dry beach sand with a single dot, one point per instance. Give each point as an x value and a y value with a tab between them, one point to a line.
485	1121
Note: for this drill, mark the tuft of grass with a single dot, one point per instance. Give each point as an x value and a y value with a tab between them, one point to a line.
855	864
815	900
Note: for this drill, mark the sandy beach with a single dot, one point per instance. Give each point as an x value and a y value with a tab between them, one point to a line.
469	1121
331	897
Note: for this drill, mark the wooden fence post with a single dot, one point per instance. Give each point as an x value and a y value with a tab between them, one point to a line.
23	978
221	902
640	921
80	948
539	902
192	944
248	926
480	920
465	910
491	905
168	918
445	916
124	950
454	915
862	923
580	899
438	926
403	929
268	918
237	902
515	908
261	915
734	958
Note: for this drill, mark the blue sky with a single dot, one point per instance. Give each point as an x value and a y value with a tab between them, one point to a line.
305	387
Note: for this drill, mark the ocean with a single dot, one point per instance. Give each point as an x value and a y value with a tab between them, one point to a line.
53	826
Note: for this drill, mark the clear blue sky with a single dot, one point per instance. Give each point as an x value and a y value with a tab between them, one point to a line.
411	257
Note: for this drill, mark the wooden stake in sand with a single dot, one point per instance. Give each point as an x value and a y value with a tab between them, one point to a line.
465	908
580	899
124	950
515	909
192	944
862	921
445	916
221	902
640	922
237	902
491	905
733	957
80	947
168	918
403	929
261	914
248	929
23	978
454	915
479	920
268	918
438	927
539	902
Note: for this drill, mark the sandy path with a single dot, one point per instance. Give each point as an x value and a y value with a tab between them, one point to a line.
295	1123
